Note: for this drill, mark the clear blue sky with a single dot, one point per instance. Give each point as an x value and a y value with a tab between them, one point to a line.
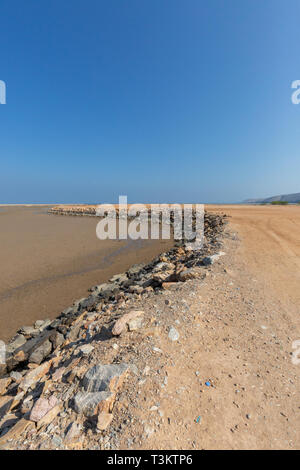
162	100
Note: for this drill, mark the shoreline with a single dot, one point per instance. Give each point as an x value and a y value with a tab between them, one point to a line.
33	344
48	262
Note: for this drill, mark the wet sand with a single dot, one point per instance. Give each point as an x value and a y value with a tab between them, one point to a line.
49	261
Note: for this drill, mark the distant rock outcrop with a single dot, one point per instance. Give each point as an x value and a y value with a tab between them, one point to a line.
290	198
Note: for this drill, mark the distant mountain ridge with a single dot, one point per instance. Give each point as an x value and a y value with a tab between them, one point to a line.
291	198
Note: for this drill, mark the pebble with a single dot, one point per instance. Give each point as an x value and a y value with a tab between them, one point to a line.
86	349
56	441
146	370
16	376
154	408
173	334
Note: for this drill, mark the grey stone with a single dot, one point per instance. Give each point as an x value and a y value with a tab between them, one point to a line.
135	269
103	286
32	344
74	333
92	316
103	377
86	349
29	331
87	402
107	290
41	352
208	260
16	376
18	341
163	266
56	441
135	324
3	369
86	302
147	283
55	323
56	339
68	311
78	302
119	278
73	431
112	291
135	289
42	324
126	283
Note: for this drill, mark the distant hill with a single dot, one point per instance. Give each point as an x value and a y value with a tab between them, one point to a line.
291	198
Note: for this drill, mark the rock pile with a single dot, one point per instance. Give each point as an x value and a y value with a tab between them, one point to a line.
87	210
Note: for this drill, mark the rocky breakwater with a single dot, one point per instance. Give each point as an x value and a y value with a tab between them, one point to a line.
86	210
68	372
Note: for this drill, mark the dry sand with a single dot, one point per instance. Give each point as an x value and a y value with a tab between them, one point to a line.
270	247
237	330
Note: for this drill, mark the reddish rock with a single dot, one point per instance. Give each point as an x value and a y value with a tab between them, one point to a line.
4	383
20	356
191	273
164	276
8	403
42	407
17	430
104	420
49	417
34	375
169	285
122	323
58	374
